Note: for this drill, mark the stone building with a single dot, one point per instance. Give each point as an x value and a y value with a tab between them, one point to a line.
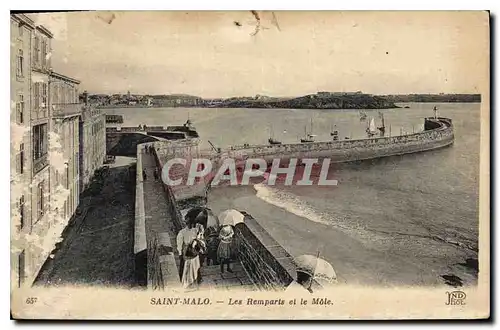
53	137
64	145
21	28
92	142
30	122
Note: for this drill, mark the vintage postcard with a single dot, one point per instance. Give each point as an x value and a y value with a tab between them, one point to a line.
250	165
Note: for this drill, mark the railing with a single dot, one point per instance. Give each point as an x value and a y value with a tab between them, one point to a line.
66	109
37	114
40	163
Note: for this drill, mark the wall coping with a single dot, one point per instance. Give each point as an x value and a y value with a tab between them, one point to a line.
140	240
279	253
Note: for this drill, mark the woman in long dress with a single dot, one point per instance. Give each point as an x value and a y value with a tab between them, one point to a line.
191	273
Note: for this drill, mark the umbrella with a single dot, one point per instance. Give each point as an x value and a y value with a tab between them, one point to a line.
193	213
231	217
317	268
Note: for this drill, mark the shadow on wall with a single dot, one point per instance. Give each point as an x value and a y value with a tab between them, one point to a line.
125	144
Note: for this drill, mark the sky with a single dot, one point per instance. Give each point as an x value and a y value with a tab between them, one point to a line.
215	54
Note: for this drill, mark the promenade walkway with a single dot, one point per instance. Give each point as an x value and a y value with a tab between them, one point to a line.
159	221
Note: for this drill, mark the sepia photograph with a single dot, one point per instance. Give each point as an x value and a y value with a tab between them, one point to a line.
250	165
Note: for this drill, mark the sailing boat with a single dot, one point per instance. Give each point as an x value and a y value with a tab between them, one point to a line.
308	137
362	116
334	133
381	128
271	139
371	130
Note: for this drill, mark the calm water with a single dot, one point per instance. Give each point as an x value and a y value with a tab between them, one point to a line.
420	205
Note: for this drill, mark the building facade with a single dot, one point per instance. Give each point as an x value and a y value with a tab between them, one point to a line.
21	28
64	145
30	113
92	142
53	137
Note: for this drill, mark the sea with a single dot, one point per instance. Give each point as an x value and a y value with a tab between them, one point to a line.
401	220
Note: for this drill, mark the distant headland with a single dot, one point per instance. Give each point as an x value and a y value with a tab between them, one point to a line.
320	100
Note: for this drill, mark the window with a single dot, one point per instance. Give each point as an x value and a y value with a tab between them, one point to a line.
36	50
39	141
20	270
20	63
44	95
36	95
44	52
20	159
20	109
21	30
41	200
21	212
77	161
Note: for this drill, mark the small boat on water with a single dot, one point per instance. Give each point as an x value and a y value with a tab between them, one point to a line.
308	137
334	133
407	107
371	130
271	139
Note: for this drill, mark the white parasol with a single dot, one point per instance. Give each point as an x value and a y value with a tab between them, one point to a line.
230	217
317	268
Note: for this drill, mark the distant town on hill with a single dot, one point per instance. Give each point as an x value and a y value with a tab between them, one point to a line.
320	100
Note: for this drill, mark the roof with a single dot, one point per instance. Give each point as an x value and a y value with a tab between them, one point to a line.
63	77
44	30
30	23
21	18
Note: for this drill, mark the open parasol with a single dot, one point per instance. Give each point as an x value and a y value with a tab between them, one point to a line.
317	268
231	217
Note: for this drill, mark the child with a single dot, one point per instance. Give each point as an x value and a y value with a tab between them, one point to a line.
224	249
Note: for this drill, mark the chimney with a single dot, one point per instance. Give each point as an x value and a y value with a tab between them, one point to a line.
85	97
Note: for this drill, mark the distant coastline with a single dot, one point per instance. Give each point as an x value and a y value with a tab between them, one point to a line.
320	100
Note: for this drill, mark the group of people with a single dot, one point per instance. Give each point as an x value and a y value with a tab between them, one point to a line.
149	149
202	241
156	174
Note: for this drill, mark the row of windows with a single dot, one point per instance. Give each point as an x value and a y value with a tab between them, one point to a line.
40	94
40	205
40	51
97	127
62	93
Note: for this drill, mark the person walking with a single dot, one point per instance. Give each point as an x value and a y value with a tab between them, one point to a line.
144	175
